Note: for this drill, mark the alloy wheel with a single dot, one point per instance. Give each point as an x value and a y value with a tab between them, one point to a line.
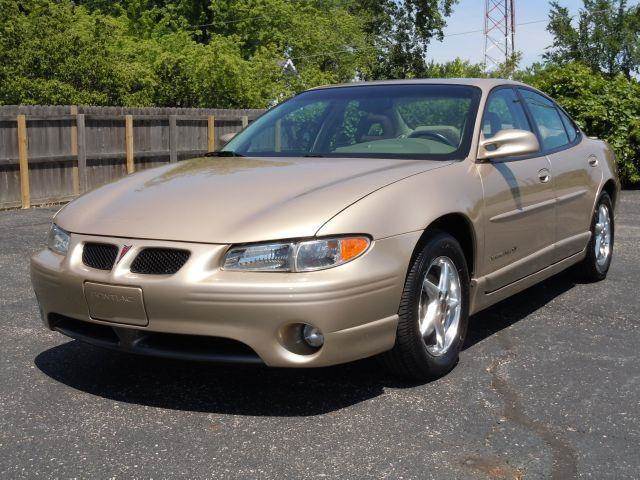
603	236
440	306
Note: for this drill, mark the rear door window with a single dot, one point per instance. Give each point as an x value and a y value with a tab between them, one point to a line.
571	128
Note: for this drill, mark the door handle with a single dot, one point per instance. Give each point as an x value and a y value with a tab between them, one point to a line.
543	175
593	161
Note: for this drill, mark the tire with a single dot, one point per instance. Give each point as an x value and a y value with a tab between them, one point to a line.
593	268
413	355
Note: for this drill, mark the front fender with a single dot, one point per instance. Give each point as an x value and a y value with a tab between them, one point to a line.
413	203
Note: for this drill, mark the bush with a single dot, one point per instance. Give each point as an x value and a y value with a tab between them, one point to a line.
63	52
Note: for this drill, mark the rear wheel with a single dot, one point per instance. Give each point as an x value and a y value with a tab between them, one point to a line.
600	248
433	313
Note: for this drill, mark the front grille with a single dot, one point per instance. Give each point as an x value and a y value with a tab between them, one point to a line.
159	261
99	255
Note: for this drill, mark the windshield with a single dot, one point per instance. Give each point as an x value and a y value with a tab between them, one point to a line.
391	121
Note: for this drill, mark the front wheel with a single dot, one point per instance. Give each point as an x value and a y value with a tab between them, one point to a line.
433	313
600	248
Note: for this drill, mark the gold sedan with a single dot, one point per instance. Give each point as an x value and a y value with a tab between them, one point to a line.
347	222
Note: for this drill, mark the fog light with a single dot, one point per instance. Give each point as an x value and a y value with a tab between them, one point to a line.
312	336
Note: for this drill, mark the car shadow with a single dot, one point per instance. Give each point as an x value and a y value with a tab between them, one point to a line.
213	388
515	308
257	391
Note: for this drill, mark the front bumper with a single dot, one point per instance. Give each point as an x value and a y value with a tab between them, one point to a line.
355	305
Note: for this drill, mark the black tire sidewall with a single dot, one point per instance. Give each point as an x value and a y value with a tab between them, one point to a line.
440	245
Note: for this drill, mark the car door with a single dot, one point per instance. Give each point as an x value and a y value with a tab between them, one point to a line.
519	201
576	173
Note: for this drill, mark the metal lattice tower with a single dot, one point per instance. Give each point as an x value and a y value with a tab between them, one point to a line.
499	32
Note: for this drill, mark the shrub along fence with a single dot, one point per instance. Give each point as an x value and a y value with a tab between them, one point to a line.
50	154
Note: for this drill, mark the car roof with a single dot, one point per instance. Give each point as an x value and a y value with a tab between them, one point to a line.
485	84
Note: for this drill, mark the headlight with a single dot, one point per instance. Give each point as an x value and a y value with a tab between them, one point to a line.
305	256
58	240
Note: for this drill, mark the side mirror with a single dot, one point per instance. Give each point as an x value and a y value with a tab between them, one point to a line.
226	138
508	143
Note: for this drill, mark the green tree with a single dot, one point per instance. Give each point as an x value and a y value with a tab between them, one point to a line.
606	37
57	53
221	53
60	52
380	38
324	39
456	68
401	31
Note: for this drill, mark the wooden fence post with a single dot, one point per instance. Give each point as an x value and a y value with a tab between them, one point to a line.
128	135
74	151
23	157
173	138
211	133
83	183
245	121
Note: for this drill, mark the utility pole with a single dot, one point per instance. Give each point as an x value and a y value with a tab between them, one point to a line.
499	32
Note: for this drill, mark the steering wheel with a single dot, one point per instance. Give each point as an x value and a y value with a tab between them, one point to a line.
433	135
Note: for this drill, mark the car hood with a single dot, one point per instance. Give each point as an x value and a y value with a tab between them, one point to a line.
233	199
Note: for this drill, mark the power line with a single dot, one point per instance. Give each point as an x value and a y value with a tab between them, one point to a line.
357	49
353	49
265	15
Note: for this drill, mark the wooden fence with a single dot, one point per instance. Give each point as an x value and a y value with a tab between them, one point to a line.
52	154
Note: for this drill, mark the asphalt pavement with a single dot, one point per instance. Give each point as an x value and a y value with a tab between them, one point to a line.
548	386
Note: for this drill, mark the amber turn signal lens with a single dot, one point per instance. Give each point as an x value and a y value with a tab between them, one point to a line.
352	247
328	252
287	256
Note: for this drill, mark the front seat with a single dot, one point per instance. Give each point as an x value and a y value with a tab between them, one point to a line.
372	119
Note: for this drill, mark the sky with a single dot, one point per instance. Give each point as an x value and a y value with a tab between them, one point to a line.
468	15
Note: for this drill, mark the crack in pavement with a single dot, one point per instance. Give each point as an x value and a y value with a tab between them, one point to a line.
493	468
564	458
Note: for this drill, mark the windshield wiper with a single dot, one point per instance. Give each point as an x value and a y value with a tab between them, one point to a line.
223	153
314	155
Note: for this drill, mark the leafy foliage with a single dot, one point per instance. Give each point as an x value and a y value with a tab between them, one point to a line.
142	53
223	53
606	38
401	31
57	54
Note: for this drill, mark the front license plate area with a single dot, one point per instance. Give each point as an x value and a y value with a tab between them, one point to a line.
113	303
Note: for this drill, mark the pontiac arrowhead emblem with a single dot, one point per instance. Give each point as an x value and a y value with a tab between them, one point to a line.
123	252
